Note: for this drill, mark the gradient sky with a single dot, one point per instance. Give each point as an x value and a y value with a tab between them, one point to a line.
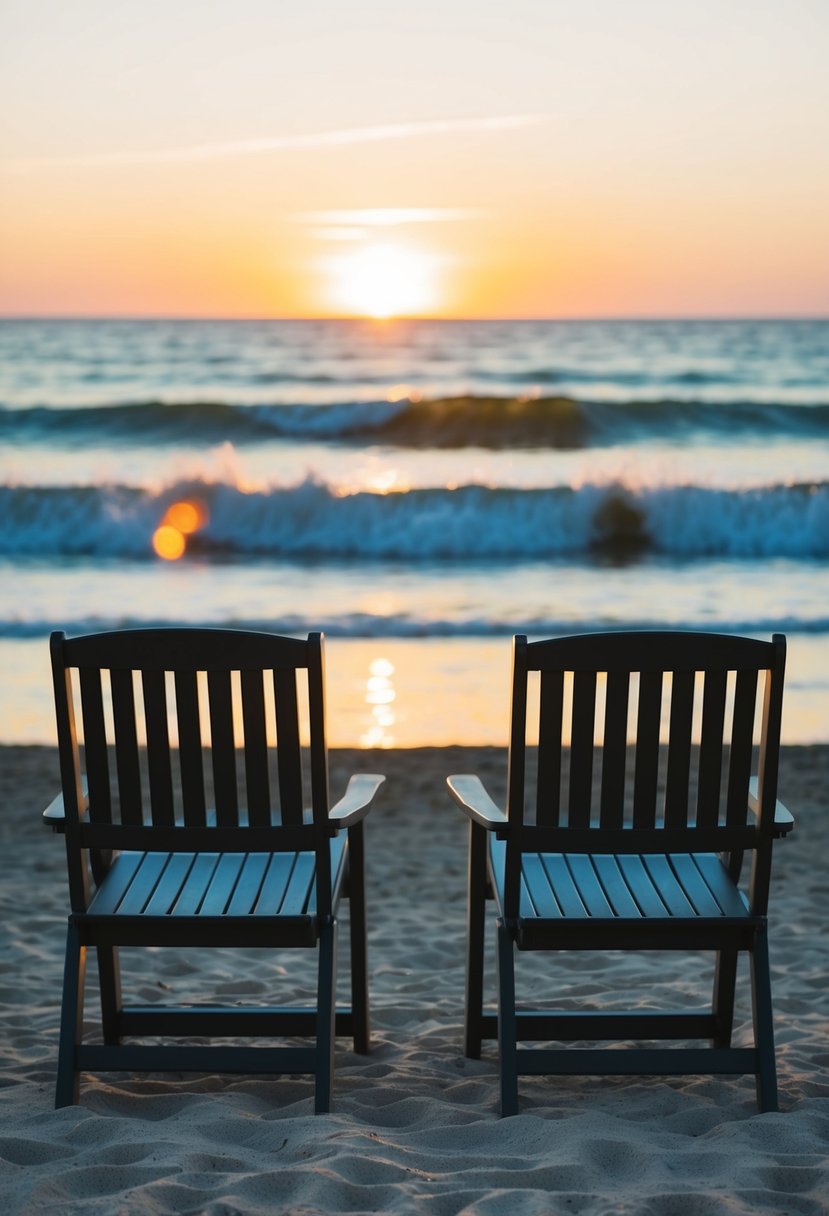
539	158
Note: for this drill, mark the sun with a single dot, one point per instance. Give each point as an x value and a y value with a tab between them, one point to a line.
385	280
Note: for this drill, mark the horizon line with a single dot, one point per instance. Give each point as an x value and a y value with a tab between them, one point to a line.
194	318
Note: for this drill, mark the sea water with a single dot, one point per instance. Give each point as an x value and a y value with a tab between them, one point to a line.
418	490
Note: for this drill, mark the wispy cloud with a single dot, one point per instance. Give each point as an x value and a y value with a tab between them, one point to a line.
288	143
386	217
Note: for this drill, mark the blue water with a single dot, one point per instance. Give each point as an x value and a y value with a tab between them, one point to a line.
418	480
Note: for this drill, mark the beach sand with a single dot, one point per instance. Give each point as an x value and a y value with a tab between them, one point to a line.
415	1125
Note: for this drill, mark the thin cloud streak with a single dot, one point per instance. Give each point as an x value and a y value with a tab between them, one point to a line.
289	143
387	217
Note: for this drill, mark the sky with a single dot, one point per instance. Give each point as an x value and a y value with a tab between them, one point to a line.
542	158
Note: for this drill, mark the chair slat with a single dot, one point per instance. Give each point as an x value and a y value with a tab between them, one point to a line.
198	880
720	884
143	884
257	779
615	886
190	748
548	794
287	746
126	746
640	886
694	885
563	887
669	889
158	748
170	884
295	902
220	892
740	751
95	745
120	875
679	749
248	885
588	885
275	884
538	887
222	748
581	749
646	767
711	748
614	749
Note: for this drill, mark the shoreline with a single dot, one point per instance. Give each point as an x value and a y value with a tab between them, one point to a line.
414	1126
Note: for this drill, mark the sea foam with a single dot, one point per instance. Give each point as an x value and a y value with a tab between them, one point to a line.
467	523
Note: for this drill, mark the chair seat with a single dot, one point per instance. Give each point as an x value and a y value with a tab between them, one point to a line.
184	890
585	893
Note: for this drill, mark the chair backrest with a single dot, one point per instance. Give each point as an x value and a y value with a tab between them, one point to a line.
660	731
163	713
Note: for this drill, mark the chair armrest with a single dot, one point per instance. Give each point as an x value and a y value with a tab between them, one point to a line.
356	802
54	816
469	793
783	819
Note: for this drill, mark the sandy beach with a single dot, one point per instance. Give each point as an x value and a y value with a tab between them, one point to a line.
414	1127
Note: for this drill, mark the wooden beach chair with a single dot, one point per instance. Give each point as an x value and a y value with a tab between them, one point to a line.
644	853
153	862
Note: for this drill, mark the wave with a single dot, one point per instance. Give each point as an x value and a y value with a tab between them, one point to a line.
366	625
310	521
445	422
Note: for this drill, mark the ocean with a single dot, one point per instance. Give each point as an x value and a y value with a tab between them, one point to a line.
420	491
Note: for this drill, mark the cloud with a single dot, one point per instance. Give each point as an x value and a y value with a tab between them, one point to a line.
289	143
386	217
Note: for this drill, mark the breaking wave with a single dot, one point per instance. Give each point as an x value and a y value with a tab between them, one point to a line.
469	523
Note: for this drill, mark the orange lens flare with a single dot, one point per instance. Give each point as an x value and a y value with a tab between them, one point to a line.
186	516
181	519
168	542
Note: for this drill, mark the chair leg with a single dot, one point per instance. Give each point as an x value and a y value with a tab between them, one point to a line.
763	1023
326	1012
725	979
71	1019
359	951
109	977
476	919
507	1047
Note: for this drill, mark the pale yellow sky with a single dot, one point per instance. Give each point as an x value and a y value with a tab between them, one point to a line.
261	158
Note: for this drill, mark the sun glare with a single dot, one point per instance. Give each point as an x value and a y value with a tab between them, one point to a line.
385	280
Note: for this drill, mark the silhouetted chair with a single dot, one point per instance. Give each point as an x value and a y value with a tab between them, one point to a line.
153	862
646	855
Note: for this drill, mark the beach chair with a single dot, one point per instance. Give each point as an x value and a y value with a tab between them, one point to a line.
644	853
154	862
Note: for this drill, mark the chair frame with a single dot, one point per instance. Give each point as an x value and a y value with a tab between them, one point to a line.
502	844
97	845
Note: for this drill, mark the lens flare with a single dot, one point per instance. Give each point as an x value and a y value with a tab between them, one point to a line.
181	519
168	542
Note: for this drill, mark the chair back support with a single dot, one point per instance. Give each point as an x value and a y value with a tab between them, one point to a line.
662	731
161	713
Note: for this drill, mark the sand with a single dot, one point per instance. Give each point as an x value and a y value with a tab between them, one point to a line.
415	1126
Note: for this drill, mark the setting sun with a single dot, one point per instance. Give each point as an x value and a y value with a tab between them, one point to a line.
385	280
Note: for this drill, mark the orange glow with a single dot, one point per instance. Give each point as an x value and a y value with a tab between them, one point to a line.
181	519
186	516
168	542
